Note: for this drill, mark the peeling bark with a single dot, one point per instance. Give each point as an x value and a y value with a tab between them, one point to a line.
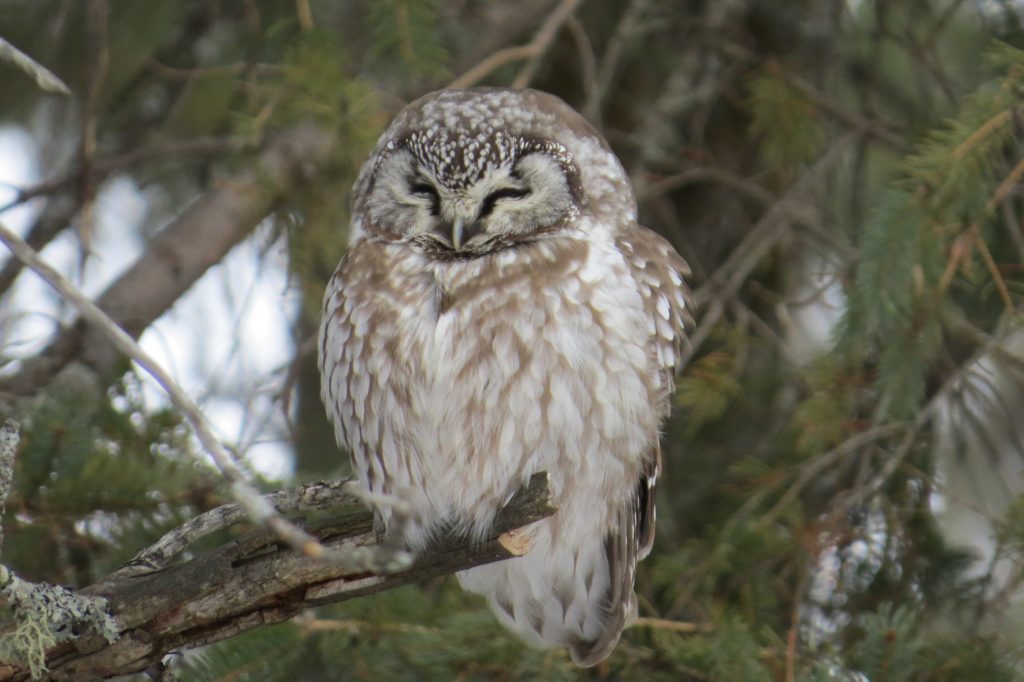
252	581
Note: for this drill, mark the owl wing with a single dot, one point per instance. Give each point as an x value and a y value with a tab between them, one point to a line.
658	271
623	547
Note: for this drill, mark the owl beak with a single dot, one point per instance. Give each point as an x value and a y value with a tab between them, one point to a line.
463	231
458	228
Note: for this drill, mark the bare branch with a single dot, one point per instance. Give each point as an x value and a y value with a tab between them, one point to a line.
715	295
814	466
305	498
43	77
101	168
184	250
533	51
255	506
545	36
253	581
626	29
497	23
697	174
97	18
493	62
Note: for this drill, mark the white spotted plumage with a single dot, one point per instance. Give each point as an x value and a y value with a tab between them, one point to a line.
457	361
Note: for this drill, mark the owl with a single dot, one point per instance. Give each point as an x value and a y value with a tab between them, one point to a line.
499	312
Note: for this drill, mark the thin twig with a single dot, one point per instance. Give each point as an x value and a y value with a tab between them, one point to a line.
172	73
98	15
991	343
628	25
100	168
9	439
43	77
309	623
872	127
699	174
971	238
256	507
305	498
305	14
545	36
812	467
793	634
1013	227
725	283
879	129
491	63
679	626
993	269
534	50
588	62
906	445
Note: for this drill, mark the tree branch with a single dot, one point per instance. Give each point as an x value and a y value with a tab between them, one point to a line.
43	77
256	507
533	51
713	297
253	581
182	252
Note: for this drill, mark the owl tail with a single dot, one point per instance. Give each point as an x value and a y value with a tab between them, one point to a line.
578	596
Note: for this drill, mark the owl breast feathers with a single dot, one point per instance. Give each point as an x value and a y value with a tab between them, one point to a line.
499	313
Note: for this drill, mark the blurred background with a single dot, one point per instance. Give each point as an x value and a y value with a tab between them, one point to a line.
841	497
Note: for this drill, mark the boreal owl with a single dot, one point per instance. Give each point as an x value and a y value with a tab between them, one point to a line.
498	313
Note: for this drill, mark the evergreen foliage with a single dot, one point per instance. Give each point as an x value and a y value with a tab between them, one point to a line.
864	370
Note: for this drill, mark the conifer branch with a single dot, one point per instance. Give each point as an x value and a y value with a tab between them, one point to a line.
253	580
715	294
816	465
256	507
911	432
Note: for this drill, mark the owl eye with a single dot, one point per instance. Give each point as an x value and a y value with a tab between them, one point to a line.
422	189
504	193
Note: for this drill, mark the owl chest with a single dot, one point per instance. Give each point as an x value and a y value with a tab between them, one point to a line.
510	378
455	385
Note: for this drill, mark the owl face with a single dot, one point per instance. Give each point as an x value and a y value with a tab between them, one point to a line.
465	187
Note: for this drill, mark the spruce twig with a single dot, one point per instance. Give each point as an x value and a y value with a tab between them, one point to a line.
248	498
715	294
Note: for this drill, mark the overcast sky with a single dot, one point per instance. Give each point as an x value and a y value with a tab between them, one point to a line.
226	341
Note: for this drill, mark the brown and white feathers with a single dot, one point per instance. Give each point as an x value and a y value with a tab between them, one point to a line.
500	313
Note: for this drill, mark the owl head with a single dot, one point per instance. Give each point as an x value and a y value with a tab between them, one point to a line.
462	173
